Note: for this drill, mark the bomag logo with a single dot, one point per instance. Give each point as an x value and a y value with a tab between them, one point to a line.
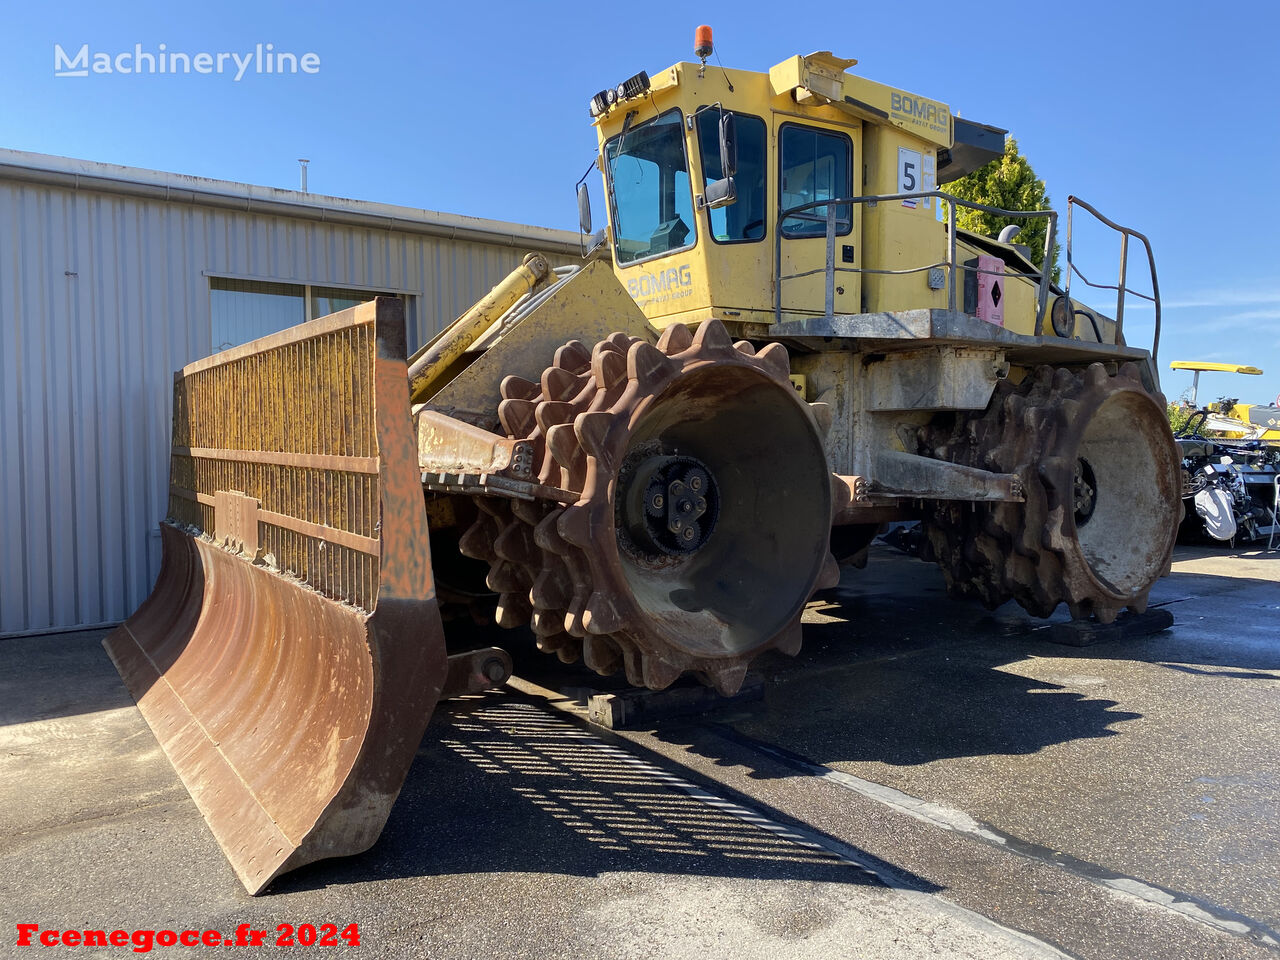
923	112
670	284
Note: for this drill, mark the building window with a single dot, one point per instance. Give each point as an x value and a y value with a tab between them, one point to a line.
244	310
815	165
327	300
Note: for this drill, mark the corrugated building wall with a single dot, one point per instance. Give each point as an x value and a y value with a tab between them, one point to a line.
105	291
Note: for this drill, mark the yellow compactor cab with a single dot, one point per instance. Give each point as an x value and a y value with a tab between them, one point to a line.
807	131
650	460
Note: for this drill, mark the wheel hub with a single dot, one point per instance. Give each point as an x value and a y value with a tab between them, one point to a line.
669	504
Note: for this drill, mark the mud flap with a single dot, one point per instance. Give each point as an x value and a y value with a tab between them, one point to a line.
291	653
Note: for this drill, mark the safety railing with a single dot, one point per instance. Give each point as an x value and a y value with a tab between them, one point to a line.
1121	289
950	264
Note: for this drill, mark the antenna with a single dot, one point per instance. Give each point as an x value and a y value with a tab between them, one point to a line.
303	165
703	48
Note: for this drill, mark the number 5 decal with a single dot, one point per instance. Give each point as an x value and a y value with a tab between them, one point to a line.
908	173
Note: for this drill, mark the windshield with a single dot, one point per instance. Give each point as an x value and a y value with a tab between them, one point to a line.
650	191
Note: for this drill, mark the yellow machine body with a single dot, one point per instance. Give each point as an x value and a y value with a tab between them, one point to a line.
891	140
653	464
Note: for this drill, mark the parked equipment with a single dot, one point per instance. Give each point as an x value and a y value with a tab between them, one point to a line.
1229	417
643	461
1230	465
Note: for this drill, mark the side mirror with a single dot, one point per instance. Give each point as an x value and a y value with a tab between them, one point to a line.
719	193
584	209
728	146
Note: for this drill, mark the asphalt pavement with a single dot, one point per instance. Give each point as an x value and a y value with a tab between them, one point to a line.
926	779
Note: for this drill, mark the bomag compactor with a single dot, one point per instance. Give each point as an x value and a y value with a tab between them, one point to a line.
653	459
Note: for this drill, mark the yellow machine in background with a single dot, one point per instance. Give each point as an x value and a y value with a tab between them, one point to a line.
1230	463
652	463
1260	421
1230	418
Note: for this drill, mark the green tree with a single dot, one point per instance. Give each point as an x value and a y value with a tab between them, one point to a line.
1179	414
1010	184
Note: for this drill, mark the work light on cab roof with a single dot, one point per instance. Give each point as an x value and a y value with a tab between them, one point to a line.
628	89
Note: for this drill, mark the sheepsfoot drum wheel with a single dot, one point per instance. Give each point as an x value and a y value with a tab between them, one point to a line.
703	514
1101	474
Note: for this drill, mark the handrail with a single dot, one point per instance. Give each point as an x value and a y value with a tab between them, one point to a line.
1120	288
830	269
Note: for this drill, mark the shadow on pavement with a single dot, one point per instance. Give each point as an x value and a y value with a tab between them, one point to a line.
894	671
59	675
503	786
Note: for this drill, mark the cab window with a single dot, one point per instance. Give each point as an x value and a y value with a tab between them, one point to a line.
815	165
650	190
744	219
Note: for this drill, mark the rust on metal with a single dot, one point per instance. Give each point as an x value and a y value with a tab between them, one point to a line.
318	460
1100	476
705	420
291	694
857	487
495	485
476	671
898	474
855	513
318	531
449	445
235	521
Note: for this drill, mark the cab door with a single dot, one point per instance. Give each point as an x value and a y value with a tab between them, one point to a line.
819	162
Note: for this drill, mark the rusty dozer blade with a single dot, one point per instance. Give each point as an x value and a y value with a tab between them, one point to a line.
291	653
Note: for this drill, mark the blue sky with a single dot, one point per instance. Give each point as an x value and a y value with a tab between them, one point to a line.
1165	117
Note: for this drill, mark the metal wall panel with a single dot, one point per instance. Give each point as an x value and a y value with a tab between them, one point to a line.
102	297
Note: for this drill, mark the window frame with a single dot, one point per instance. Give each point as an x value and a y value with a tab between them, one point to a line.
764	159
612	193
839	134
407	297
